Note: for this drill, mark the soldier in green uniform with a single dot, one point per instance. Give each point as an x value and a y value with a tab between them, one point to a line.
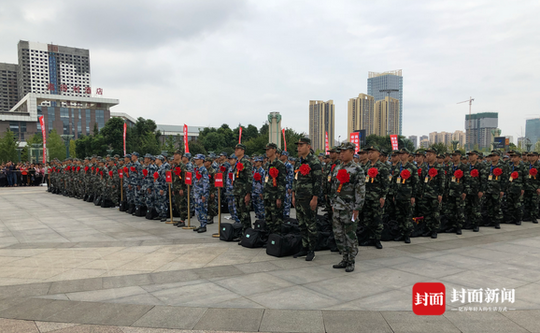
212	201
457	181
475	189
179	188
274	190
405	187
376	184
242	182
347	198
432	181
497	179
307	188
516	188
532	187
327	176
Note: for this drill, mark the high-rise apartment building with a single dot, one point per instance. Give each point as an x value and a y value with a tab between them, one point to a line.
9	95
424	141
532	130
321	121
414	140
53	69
386	117
360	114
391	80
446	138
482	124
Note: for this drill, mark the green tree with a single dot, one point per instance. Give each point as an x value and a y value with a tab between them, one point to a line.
26	152
113	133
56	146
169	146
73	149
149	144
196	147
439	147
8	147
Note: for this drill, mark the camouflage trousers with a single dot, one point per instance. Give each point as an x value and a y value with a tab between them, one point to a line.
212	207
273	215
455	211
389	208
201	209
150	200
243	212
232	208
472	209
432	215
492	206
258	205
308	224
371	218
404	216
530	203
287	205
180	203
514	206
345	234
162	203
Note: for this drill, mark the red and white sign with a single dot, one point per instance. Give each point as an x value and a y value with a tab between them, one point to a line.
218	180
240	136
44	134
394	141
326	144
120	174
429	298
355	138
284	141
168	177
186	145
125	129
188	178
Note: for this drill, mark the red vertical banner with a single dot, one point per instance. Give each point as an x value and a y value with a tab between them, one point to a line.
326	144
284	141
125	130
240	136
394	141
186	145
355	138
44	134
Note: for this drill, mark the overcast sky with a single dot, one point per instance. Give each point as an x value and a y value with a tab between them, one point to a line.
233	61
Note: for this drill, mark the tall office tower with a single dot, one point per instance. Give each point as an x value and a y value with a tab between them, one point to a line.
386	117
8	86
424	141
532	130
360	114
53	69
321	121
481	126
414	140
384	81
274	128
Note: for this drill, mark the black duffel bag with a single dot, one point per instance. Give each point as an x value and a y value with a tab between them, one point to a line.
230	231
290	227
253	239
97	200
282	246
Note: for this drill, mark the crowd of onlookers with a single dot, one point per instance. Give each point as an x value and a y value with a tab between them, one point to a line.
23	174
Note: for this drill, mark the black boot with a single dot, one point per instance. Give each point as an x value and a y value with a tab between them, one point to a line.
350	267
434	234
534	221
378	244
476	228
458	231
342	264
407	239
302	253
310	256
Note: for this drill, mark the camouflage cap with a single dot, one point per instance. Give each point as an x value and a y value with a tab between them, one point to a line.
383	152
473	152
209	159
456	152
278	151
187	155
372	148
440	157
405	151
223	154
514	153
160	157
148	156
125	156
321	154
271	145
199	157
431	150
135	154
348	146
240	146
286	153
335	149
233	156
116	156
303	141
177	152
495	153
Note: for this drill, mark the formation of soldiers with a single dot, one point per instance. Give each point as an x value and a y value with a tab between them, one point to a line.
362	193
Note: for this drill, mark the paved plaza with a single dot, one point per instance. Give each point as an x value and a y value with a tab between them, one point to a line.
68	266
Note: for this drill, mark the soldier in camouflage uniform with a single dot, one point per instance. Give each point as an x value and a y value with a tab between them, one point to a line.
242	183
347	200
128	194
376	184
229	191
432	181
390	205
257	189
201	193
475	190
516	188
147	182
532	187
136	182
212	200
161	188
497	179
179	188
405	188
327	176
307	188
274	189
288	185
457	182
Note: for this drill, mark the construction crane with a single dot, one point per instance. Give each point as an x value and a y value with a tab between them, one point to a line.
469	141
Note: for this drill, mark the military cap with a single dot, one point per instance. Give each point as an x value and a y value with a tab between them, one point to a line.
348	145
421	152
76	159
286	153
246	156
383	152
160	157
87	158
495	152
116	156
431	150
321	154
223	154
240	146
405	151
473	152
370	148
271	145
148	156
533	153
199	157
135	154
514	153
355	156
278	151
396	152
303	141
208	159
440	156
108	155
187	155
456	152
177	152
335	149
292	159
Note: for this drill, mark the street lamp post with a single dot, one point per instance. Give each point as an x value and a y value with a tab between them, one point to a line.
67	138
